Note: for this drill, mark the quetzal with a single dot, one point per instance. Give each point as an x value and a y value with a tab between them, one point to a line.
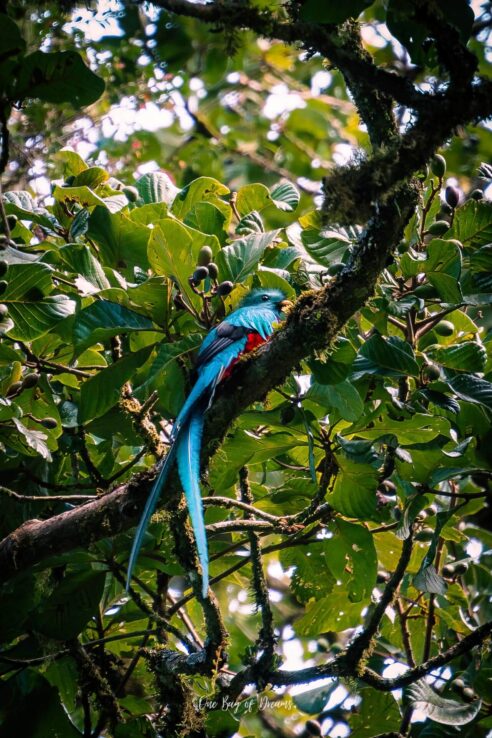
251	324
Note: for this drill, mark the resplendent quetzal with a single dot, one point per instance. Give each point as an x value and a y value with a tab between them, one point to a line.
251	324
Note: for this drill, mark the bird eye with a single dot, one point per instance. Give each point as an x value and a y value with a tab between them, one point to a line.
265	298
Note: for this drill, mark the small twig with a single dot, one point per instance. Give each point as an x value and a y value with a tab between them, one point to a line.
45	498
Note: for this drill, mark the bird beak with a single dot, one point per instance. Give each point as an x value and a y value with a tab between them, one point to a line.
286	305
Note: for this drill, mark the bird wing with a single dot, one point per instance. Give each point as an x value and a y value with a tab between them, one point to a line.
219	339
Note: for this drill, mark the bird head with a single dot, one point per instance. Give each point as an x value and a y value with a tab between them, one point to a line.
266	298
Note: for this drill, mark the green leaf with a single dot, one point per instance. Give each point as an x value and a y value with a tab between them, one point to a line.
32	313
419	428
361	556
70	606
472	224
481	268
102	391
80	260
471	388
34	440
91	177
342	396
250	223
312	576
156	187
203	189
427	579
11	41
319	11
467	356
447	712
354	491
34	708
207	218
334	612
377	714
168	353
448	287
58	77
313	700
173	251
285	196
325	247
73	162
252	197
122	243
104	319
387	356
240	258
21	204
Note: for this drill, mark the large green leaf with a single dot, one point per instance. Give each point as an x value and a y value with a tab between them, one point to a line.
354	491
31	310
207	218
203	189
104	319
168	353
472	224
121	242
387	356
173	251
311	576
157	187
335	612
34	708
240	258
418	428
64	614
447	712
58	77
377	714
471	388
252	197
325	247
285	196
102	391
341	396
80	260
467	356
357	546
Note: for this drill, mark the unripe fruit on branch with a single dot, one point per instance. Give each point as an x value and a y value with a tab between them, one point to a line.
444	328
4	311
49	423
205	256
30	380
438	166
431	372
225	288
452	195
213	270
3	267
200	274
3	286
14	389
439	227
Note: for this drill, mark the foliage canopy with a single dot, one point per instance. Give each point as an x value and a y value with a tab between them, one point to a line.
347	510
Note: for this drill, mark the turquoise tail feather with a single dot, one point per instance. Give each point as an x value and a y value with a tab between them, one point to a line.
188	459
149	510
